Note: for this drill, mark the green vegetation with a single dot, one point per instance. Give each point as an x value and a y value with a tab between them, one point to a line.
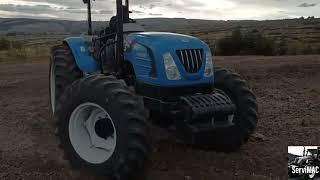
275	39
303	38
11	49
14	49
4	44
250	43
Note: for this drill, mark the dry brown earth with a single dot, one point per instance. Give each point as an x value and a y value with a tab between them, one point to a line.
288	93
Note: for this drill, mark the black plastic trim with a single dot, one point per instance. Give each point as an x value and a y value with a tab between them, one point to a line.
170	94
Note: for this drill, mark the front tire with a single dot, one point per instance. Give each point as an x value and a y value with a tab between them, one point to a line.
231	138
97	109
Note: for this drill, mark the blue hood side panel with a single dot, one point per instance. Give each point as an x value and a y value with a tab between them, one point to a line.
84	59
140	59
161	43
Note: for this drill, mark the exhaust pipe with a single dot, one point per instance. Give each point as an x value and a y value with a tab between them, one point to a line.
119	42
88	2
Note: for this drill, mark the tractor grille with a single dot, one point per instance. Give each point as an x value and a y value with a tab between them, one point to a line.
191	59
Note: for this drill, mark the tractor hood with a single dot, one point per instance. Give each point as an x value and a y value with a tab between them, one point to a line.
161	41
146	50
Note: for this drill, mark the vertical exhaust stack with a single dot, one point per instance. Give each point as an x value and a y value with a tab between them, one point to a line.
119	43
88	2
126	12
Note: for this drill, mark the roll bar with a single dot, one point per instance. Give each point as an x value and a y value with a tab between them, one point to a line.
122	17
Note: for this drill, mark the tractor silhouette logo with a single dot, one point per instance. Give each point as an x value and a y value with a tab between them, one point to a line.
303	162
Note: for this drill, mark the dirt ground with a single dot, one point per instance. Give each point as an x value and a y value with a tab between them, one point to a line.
287	90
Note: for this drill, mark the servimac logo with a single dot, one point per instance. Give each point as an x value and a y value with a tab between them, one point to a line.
305	170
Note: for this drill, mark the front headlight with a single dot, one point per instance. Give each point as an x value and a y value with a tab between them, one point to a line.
208	71
172	71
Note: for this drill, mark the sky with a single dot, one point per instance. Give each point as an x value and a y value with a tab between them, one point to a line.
298	150
191	9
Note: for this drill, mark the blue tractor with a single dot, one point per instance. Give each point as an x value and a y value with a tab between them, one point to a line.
107	88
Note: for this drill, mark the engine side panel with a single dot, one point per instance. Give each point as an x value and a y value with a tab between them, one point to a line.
139	56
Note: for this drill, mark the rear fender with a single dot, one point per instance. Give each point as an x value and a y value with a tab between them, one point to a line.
84	59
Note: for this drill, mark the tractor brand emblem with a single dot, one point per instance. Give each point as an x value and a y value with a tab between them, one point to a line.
185	40
82	49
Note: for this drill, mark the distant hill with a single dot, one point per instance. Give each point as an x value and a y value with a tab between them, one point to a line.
40	26
32	26
296	36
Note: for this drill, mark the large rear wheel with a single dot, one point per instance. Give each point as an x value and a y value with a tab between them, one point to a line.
102	127
63	72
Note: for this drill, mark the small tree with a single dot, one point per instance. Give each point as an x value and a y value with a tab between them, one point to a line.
4	44
231	45
282	48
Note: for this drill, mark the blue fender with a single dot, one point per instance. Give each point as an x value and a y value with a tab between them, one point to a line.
84	59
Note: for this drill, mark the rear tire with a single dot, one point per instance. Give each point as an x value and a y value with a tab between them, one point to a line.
63	72
231	138
128	117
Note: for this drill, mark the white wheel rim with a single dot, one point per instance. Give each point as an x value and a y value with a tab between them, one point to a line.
86	141
52	87
312	175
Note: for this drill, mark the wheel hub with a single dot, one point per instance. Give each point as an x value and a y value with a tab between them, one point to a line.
92	133
104	128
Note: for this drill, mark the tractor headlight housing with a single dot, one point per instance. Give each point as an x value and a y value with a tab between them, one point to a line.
208	71
171	68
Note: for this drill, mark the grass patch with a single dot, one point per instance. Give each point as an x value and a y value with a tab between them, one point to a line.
24	53
20	49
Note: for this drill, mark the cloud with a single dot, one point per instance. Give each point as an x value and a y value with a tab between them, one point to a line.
152	6
67	3
36	9
137	12
193	9
27	9
307	5
152	14
71	9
